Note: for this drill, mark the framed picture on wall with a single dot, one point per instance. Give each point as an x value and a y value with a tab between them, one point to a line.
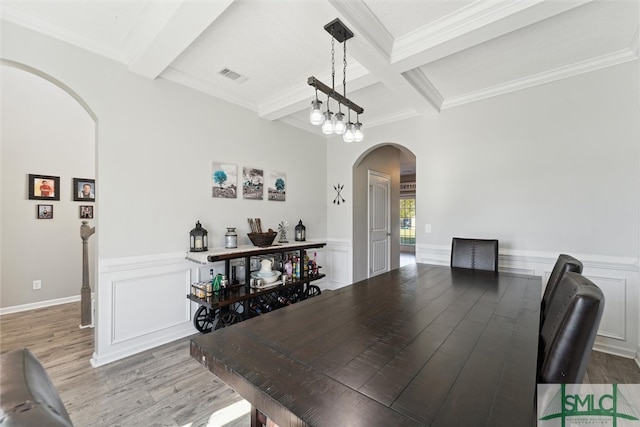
44	211
44	187
84	190
277	186
224	180
86	211
252	183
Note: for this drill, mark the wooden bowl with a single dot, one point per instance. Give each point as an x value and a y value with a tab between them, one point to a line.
262	239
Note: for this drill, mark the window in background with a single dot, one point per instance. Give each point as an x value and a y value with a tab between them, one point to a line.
408	221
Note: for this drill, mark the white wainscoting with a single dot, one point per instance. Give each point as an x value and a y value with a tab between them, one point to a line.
339	265
141	301
141	304
616	276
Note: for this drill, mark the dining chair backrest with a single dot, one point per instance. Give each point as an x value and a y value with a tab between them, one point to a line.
476	254
569	331
563	264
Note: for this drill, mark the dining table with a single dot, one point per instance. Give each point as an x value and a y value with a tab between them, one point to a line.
421	345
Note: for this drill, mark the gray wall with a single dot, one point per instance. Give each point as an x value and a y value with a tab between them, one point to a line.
44	131
155	145
386	160
551	168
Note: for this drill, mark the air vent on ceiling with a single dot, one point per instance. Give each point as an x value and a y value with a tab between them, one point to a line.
238	78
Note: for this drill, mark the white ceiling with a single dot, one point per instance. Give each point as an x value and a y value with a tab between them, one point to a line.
407	58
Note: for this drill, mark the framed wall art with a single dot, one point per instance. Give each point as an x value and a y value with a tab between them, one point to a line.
84	190
86	211
252	183
225	180
277	186
44	187
44	211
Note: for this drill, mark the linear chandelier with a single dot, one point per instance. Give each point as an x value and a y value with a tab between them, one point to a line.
330	123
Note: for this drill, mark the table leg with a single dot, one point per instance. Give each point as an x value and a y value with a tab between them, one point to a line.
258	419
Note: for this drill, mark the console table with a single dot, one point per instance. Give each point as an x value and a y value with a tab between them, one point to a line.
222	305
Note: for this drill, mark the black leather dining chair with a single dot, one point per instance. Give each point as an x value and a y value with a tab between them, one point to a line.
569	331
563	264
476	254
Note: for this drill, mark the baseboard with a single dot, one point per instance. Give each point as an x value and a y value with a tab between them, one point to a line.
616	351
40	304
141	345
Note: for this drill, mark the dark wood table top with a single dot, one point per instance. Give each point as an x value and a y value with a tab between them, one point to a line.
421	345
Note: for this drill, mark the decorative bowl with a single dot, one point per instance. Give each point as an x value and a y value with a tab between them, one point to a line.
268	279
262	239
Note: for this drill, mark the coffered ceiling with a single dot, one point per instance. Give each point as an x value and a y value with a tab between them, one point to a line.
407	57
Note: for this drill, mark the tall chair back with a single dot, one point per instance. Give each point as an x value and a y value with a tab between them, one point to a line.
563	264
569	331
476	254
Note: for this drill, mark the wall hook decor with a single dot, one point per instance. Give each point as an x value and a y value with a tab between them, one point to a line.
339	197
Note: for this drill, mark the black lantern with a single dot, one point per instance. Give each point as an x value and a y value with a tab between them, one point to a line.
301	232
198	238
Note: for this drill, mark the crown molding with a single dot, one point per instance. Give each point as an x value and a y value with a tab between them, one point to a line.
390	118
465	20
421	83
575	69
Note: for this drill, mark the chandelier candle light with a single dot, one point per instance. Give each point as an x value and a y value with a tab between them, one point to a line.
336	124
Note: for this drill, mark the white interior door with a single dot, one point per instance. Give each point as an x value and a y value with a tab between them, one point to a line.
379	225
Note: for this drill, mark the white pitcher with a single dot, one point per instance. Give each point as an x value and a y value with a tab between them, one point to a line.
266	265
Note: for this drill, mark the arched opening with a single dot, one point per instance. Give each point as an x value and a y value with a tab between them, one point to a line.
48	129
393	160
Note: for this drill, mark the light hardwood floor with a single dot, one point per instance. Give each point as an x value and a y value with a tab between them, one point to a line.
163	386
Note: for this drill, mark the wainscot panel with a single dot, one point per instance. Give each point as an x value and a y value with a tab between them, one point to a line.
141	303
339	269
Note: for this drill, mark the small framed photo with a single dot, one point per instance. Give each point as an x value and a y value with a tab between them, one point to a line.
44	187
45	211
84	190
86	211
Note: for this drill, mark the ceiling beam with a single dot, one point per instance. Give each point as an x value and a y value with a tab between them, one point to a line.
471	26
169	29
372	49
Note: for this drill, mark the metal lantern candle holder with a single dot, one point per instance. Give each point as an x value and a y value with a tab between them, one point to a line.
301	232
198	238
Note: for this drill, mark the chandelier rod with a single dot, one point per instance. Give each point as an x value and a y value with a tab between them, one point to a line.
314	82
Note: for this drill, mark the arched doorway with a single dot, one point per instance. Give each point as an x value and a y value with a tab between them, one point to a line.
48	130
389	159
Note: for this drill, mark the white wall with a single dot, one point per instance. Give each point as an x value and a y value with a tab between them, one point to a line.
46	132
551	169
156	142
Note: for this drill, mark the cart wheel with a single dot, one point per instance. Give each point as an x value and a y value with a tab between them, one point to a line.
203	319
312	291
228	318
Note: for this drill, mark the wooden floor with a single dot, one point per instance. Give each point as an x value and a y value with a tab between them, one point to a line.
163	386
